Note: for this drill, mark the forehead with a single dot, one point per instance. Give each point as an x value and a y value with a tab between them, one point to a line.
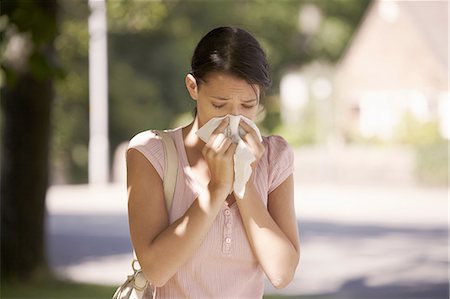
226	84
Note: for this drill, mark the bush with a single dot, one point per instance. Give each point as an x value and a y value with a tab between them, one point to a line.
432	163
430	148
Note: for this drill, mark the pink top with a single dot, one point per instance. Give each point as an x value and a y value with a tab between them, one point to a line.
224	266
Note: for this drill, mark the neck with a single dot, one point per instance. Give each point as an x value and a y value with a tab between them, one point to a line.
191	140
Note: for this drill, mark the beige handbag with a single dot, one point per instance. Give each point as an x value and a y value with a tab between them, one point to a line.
136	284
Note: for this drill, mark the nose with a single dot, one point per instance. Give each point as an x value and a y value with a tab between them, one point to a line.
235	110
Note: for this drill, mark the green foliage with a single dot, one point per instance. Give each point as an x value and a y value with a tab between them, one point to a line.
141	110
55	289
432	163
137	16
304	131
28	22
41	27
70	123
150	44
332	38
430	148
416	133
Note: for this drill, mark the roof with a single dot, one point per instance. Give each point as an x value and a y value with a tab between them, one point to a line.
399	44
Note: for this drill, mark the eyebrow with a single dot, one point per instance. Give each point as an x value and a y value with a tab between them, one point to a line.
227	99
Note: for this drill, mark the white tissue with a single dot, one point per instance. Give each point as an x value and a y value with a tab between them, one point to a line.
243	157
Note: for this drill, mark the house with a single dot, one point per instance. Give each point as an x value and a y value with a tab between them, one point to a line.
396	63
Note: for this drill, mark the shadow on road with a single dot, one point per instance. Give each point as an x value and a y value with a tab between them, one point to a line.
338	260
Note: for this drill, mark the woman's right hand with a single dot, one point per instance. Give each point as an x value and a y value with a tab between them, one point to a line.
218	153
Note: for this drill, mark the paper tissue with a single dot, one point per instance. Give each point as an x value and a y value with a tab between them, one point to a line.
243	156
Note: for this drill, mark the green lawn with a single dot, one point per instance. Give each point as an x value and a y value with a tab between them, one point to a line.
56	289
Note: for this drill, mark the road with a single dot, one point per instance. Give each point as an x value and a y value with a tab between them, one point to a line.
356	241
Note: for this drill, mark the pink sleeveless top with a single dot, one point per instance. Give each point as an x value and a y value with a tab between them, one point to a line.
224	266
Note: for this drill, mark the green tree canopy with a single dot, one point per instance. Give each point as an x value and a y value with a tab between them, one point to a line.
150	44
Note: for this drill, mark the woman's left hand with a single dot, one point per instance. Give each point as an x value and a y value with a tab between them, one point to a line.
252	140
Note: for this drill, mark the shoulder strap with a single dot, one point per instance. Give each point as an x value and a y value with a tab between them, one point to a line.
171	167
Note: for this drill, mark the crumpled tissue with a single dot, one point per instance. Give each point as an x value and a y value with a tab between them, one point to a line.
243	156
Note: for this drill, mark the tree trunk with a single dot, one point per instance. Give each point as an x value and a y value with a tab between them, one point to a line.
26	105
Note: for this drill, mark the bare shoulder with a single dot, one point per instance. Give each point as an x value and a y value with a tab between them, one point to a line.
149	144
143	181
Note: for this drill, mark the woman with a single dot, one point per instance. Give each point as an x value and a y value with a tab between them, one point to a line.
211	243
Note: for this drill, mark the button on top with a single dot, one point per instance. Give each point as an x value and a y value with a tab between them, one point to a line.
228	240
227	212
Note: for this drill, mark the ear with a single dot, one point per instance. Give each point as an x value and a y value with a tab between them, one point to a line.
192	86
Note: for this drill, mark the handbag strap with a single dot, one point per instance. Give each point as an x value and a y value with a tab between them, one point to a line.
171	167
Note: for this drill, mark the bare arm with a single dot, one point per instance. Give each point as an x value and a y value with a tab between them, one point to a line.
272	232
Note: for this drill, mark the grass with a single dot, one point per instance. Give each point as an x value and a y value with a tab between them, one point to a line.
59	289
55	289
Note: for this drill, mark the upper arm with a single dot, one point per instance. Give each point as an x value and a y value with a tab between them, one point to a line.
147	213
281	207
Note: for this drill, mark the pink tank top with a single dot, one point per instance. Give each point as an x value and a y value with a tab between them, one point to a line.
224	266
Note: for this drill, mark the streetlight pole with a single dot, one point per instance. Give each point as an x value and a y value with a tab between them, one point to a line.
98	95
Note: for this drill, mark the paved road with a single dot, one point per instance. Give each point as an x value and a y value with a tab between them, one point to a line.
357	241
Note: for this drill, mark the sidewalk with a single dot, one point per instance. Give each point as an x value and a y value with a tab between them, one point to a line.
363	242
356	240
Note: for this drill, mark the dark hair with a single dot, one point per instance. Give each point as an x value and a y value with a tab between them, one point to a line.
234	51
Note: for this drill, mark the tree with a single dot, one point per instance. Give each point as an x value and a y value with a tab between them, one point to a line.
28	69
150	44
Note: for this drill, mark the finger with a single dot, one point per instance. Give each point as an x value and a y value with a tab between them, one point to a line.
251	137
220	128
224	146
248	129
231	149
214	143
253	144
217	140
223	124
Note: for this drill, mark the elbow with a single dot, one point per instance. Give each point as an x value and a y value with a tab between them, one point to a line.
157	270
159	284
154	276
157	281
280	283
283	279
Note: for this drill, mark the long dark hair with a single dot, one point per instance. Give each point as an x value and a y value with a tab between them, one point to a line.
234	51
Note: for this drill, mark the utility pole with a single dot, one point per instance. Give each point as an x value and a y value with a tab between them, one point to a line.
98	94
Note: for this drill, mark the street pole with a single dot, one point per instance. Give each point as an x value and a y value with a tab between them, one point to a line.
98	95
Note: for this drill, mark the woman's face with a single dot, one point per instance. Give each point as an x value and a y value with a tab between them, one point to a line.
223	94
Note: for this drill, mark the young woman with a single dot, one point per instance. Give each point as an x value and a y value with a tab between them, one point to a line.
211	243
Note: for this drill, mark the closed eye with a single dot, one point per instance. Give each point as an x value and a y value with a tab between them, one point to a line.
245	106
218	106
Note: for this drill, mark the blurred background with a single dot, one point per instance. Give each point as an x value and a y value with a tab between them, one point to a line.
360	91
